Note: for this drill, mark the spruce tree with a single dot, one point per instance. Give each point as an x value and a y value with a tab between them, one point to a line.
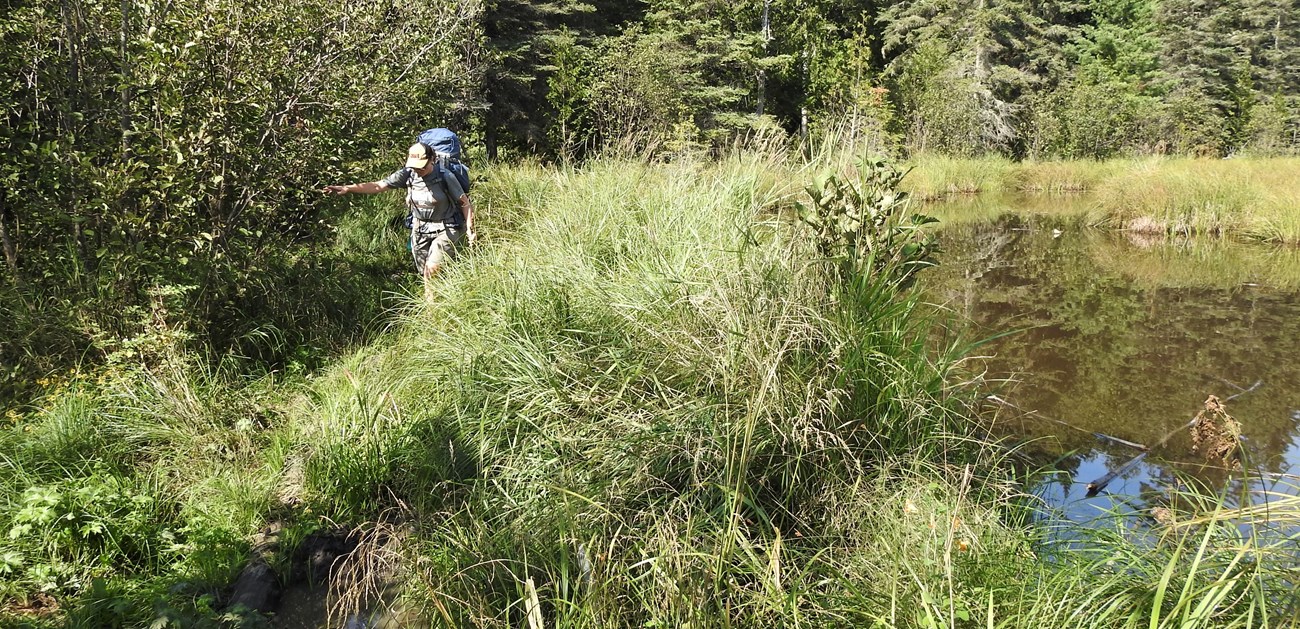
520	34
1200	62
1269	32
978	52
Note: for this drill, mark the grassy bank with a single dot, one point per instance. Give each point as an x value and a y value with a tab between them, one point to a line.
937	176
645	400
1252	198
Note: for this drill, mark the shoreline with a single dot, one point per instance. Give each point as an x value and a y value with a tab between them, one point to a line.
1250	198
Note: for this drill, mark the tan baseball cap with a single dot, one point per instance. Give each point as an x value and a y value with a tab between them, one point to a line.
418	156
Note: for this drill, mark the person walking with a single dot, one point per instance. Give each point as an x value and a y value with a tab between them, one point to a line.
442	214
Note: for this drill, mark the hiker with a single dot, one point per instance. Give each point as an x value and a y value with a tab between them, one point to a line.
441	211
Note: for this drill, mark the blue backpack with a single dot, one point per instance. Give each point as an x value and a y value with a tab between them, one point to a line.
446	149
446	146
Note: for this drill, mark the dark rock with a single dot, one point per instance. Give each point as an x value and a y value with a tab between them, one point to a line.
315	559
257	589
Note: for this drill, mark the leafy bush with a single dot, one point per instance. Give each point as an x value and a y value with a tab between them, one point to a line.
174	154
861	224
62	534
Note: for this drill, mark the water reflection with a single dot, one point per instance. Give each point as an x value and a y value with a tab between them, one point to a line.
1127	335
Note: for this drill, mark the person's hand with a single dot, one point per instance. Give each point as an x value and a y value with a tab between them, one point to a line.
471	235
335	190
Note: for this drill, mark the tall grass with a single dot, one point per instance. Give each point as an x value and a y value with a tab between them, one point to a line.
1203	566
934	176
645	399
665	412
125	496
1061	177
650	405
1254	197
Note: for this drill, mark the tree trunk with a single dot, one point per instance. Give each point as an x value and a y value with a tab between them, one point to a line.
767	45
11	250
803	107
977	68
566	143
1277	33
72	22
125	87
803	129
490	136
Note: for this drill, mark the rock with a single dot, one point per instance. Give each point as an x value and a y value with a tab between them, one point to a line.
257	589
315	559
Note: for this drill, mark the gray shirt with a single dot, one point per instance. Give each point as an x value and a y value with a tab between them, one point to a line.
427	196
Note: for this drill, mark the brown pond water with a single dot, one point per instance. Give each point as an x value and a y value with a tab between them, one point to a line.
1126	335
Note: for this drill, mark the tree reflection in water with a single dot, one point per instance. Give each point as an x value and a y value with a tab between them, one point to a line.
1126	335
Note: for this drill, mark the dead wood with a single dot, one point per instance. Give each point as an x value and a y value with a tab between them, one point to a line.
1096	486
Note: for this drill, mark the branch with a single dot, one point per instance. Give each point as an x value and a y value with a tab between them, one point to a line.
1096	486
1100	435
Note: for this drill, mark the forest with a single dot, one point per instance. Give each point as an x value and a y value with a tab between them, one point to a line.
680	380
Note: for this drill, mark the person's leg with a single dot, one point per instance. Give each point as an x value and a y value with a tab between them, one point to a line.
416	256
420	244
442	250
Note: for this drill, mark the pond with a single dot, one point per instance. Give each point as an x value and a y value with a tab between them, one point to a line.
1125	335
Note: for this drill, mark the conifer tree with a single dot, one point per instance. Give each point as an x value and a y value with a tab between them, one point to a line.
1199	61
1098	99
519	36
1269	32
723	45
980	48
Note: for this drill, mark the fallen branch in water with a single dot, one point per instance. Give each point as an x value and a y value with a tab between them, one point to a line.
1100	435
1096	486
1227	382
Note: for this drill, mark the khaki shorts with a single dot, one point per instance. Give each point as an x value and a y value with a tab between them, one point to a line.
434	246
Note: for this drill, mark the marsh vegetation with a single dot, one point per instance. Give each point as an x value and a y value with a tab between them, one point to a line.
651	397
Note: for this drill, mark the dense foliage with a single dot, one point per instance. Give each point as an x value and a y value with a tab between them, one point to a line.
645	372
1025	79
653	398
162	161
651	402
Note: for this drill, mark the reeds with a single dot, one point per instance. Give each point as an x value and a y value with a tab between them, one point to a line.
1257	198
665	409
665	415
1198	564
935	176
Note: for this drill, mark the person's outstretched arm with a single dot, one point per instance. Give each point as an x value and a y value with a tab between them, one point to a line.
369	187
